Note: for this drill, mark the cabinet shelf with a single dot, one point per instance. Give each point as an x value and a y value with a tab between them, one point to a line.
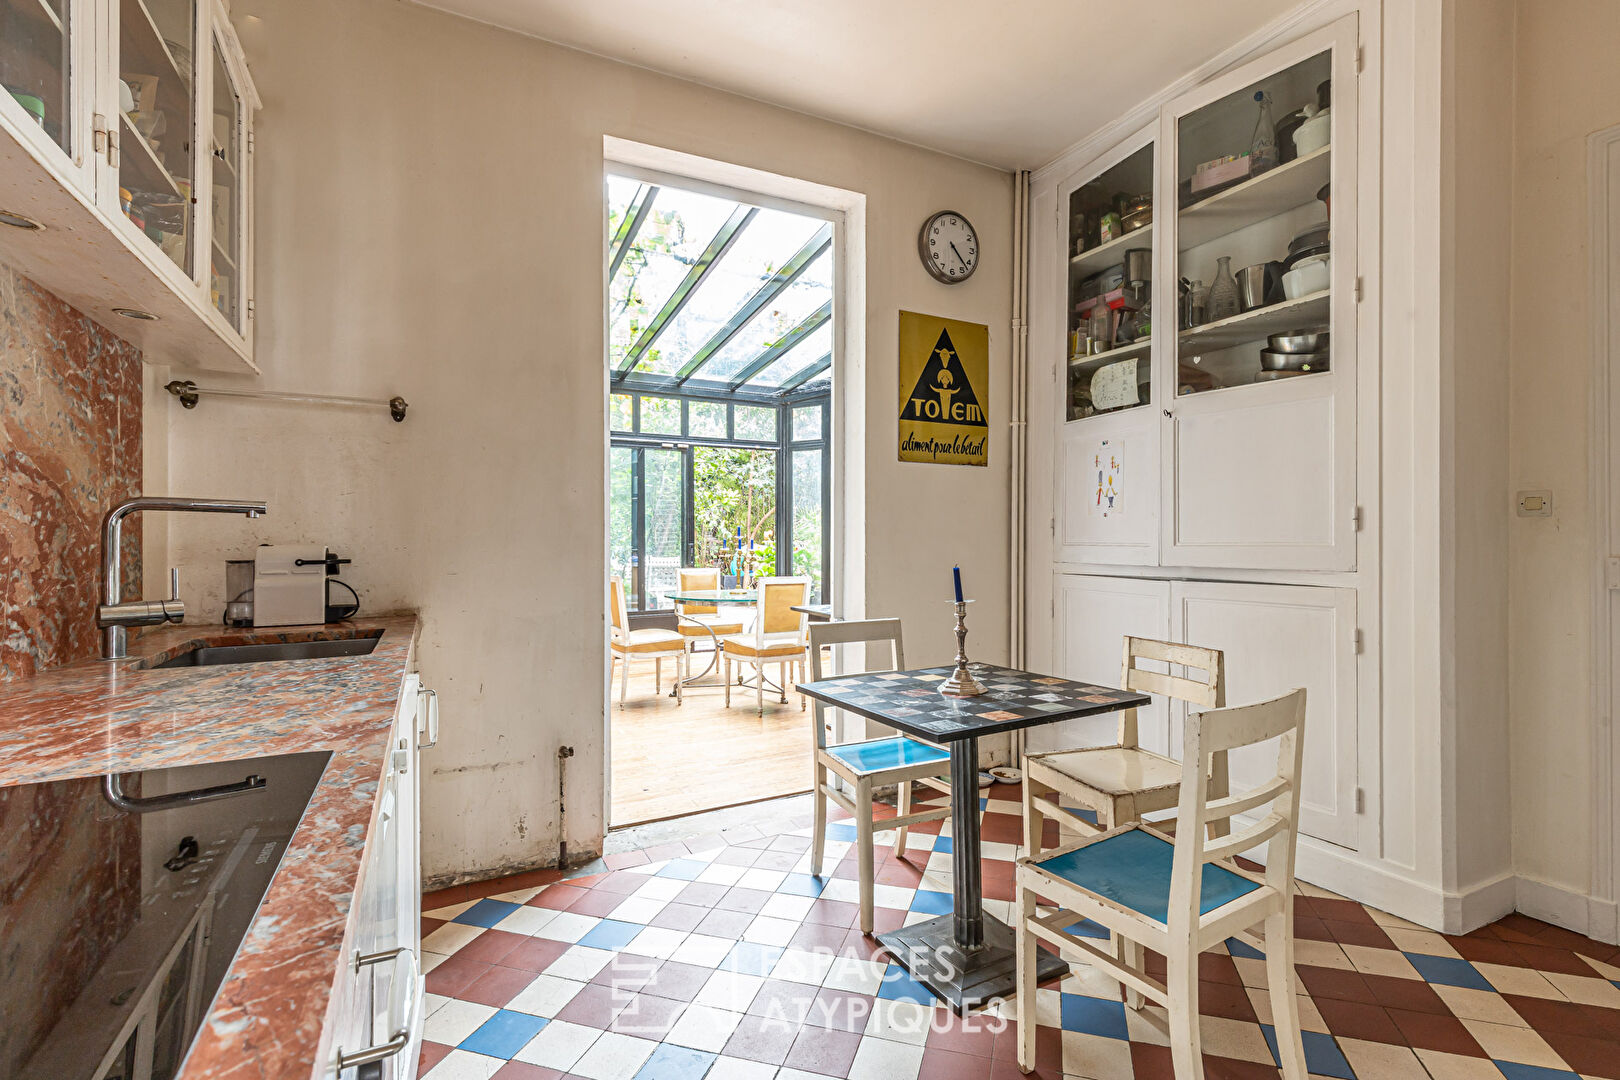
1312	310
1105	255
1097	360
50	13
150	54
1273	192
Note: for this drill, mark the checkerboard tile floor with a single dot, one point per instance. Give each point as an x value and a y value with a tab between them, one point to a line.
723	959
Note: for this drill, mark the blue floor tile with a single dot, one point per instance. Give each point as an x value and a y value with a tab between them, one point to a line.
934	903
898	985
611	934
684	869
503	1034
1514	1071
1243	949
840	831
671	1062
802	885
1094	1016
1449	971
1322	1055
749	958
486	913
943	843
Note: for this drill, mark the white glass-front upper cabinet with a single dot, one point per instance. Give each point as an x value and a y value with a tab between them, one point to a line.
47	70
1256	216
228	164
1107	472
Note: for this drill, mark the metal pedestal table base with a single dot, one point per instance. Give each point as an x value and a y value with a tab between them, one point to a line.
964	980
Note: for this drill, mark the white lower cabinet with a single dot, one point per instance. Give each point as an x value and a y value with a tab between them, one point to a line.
378	1012
1275	637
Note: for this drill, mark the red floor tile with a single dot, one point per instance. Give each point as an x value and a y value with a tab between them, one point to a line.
453	975
496	986
819	1050
1586	1055
1354	1020
680	917
833	913
974	1035
941	1064
739	899
1426	1031
647	1017
490	947
627	972
559	897
622	882
596	902
814	936
726	924
535	954
432	1054
519	1070
679	981
625	859
762	1038
787	1002
839	1010
702	893
1225	999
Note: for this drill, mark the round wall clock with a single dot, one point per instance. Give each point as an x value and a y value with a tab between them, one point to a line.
949	247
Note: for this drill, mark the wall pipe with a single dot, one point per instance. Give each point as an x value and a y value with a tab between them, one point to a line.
1018	429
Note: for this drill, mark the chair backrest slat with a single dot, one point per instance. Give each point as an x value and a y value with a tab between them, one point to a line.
1207	738
694	578
618	608
777	598
1208	694
868	632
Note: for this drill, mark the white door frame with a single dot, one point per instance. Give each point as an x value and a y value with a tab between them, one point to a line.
1603	195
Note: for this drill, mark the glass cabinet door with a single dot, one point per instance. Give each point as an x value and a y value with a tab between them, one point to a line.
228	162
36	68
1109	318
1253	235
157	122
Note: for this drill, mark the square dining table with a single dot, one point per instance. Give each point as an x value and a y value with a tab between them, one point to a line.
966	957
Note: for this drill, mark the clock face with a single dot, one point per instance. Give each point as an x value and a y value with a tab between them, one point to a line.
949	247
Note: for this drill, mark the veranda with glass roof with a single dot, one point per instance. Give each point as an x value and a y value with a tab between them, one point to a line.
720	335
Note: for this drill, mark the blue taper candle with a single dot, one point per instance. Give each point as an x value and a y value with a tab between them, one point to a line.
956	576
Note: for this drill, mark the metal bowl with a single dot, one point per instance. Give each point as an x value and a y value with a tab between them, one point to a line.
1299	341
1271	360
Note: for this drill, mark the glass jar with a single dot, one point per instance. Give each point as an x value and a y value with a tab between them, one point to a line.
1263	146
1223	292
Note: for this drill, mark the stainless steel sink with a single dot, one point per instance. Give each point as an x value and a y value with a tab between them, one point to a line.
211	655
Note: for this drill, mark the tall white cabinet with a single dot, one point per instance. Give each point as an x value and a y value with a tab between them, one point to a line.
1195	494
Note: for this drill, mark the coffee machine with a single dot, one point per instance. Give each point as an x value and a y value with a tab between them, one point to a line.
286	585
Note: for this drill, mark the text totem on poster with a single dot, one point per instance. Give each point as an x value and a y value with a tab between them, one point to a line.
944	389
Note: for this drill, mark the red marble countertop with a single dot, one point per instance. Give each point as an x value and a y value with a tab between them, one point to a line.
96	717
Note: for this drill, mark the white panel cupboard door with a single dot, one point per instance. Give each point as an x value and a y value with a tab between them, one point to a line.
1261	468
1108	489
1276	638
1093	617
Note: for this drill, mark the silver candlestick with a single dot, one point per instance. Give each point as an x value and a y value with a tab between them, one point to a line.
961	683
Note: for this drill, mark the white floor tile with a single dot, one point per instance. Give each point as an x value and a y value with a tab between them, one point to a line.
545	996
638	909
766	880
1094	1057
466	1065
803	966
730	990
892	896
899	1021
721	874
432	1003
854	974
730	1068
880	1059
703	950
614	1057
449	939
567	927
518	896
662	888
528	920
783	906
656	941
449	911
703	1027
767	931
559	1045
580	963
455	1021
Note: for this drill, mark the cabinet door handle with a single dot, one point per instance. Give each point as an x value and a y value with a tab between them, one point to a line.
432	726
402	1033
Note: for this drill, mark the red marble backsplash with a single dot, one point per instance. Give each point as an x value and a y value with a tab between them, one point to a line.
70	446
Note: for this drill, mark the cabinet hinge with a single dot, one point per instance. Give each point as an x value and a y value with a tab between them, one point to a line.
1356	518
1358	641
250	146
1358	288
1361	801
98	125
1361	56
250	307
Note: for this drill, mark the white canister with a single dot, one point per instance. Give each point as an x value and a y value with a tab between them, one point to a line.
1315	132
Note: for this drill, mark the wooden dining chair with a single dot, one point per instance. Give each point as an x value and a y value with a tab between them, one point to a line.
1183	895
870	763
698	621
779	636
623	643
1122	782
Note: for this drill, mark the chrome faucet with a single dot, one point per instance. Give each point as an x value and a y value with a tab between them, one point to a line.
115	615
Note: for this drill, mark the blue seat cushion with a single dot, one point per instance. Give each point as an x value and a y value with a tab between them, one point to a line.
1132	868
895	753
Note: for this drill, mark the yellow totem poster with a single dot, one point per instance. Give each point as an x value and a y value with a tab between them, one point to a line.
944	390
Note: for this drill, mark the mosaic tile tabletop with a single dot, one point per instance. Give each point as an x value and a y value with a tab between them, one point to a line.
911	701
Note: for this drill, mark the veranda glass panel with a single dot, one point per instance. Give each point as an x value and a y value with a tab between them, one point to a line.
660	416
755	423
675	233
621	516
707	419
734	510
663	524
808	556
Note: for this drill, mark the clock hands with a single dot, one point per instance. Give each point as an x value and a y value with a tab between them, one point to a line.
958	255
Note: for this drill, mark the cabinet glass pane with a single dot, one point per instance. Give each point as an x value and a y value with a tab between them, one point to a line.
1110	317
1252	231
156	122
34	62
225	254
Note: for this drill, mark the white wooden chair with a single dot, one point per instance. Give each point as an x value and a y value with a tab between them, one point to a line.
1122	782
1182	895
699	620
871	763
779	636
657	644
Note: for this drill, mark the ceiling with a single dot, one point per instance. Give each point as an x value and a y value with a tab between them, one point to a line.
1007	84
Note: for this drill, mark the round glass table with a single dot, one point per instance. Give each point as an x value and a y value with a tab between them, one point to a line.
716	598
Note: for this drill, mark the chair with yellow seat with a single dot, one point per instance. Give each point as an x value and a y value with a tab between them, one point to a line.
780	636
698	621
643	644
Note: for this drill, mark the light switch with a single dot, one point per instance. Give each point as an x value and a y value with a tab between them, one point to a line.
1535	504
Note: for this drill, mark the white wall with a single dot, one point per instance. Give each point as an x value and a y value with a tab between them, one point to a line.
1568	87
430	224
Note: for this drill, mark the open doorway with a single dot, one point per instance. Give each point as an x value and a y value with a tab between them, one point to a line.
721	331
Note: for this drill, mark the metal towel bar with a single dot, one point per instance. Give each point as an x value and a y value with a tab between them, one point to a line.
188	392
